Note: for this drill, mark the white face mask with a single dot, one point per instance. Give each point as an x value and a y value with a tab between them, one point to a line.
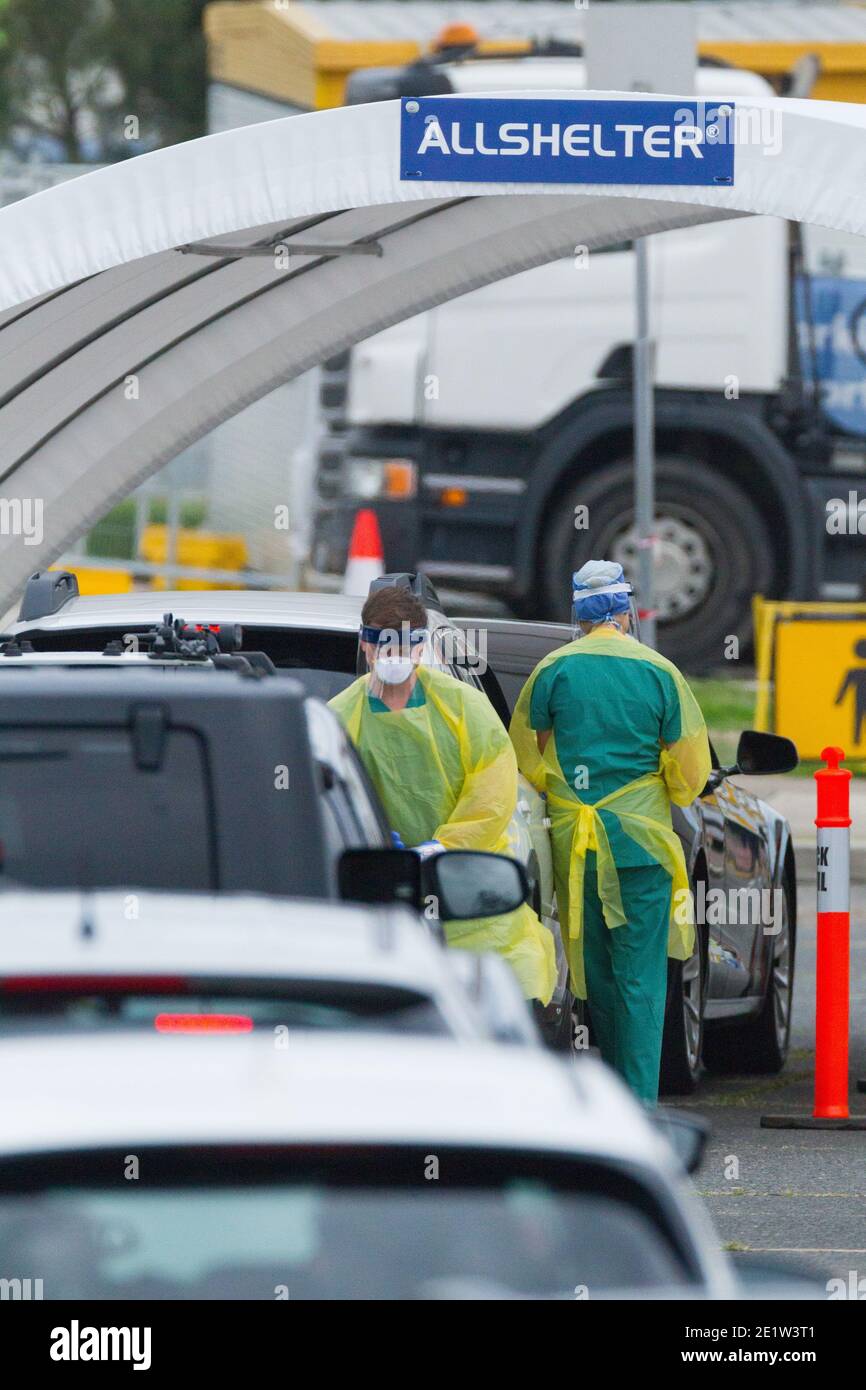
393	670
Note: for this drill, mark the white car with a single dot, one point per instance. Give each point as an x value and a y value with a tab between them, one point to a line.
147	1166
315	638
170	962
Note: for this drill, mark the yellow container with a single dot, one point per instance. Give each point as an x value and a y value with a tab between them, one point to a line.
199	550
99	581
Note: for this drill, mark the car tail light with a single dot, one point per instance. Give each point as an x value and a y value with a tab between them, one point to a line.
203	1023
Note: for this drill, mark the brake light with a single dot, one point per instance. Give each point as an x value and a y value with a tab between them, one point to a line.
203	1023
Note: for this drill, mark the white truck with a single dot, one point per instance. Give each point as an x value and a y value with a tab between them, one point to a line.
493	435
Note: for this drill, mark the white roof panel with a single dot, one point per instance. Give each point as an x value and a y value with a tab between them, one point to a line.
101	284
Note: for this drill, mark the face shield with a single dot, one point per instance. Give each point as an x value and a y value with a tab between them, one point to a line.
602	605
391	654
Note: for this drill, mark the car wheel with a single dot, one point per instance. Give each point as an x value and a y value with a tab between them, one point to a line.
713	553
759	1046
682	1040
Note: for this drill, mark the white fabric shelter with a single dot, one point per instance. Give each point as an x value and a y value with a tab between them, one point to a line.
99	284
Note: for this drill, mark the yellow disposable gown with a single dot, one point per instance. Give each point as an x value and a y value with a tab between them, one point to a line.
642	806
445	770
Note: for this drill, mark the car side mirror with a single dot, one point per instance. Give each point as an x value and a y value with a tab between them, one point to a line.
470	883
463	883
380	876
759	753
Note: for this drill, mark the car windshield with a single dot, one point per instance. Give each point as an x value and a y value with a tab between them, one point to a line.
322	1240
322	659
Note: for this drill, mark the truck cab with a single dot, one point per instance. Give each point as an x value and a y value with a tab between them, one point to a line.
493	434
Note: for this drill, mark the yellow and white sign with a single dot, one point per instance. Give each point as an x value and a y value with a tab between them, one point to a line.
820	684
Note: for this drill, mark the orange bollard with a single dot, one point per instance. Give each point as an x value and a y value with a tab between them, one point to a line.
832	988
832	991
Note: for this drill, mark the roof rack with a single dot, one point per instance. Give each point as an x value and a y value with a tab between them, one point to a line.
46	592
174	638
217	643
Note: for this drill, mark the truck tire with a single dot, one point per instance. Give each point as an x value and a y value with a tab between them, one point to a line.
759	1046
715	553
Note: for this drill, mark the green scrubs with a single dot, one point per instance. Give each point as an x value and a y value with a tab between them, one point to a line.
627	973
610	716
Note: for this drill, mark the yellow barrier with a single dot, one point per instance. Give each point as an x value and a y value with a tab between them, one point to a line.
811	673
99	581
303	58
200	550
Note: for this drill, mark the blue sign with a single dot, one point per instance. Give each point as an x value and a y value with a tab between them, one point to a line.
831	332
533	140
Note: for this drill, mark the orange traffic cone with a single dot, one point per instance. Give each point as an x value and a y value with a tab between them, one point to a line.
366	560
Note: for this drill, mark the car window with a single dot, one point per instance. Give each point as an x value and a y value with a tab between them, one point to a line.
336	837
334	1240
353	813
368	810
76	810
305	1005
322	660
341	824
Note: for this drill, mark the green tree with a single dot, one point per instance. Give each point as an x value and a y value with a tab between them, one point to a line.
72	72
157	48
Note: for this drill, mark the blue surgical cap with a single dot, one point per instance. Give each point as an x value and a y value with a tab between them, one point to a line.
599	590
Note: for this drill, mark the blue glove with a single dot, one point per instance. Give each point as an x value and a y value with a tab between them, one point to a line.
428	848
396	840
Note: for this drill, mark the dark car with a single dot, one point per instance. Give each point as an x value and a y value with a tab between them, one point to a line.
729	1005
121	779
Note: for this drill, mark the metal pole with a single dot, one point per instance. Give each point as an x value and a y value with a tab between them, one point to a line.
142	517
172	523
644	444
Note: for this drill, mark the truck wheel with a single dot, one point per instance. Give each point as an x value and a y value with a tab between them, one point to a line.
759	1046
714	552
682	1040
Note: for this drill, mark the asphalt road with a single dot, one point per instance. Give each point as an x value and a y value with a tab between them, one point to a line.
795	1197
